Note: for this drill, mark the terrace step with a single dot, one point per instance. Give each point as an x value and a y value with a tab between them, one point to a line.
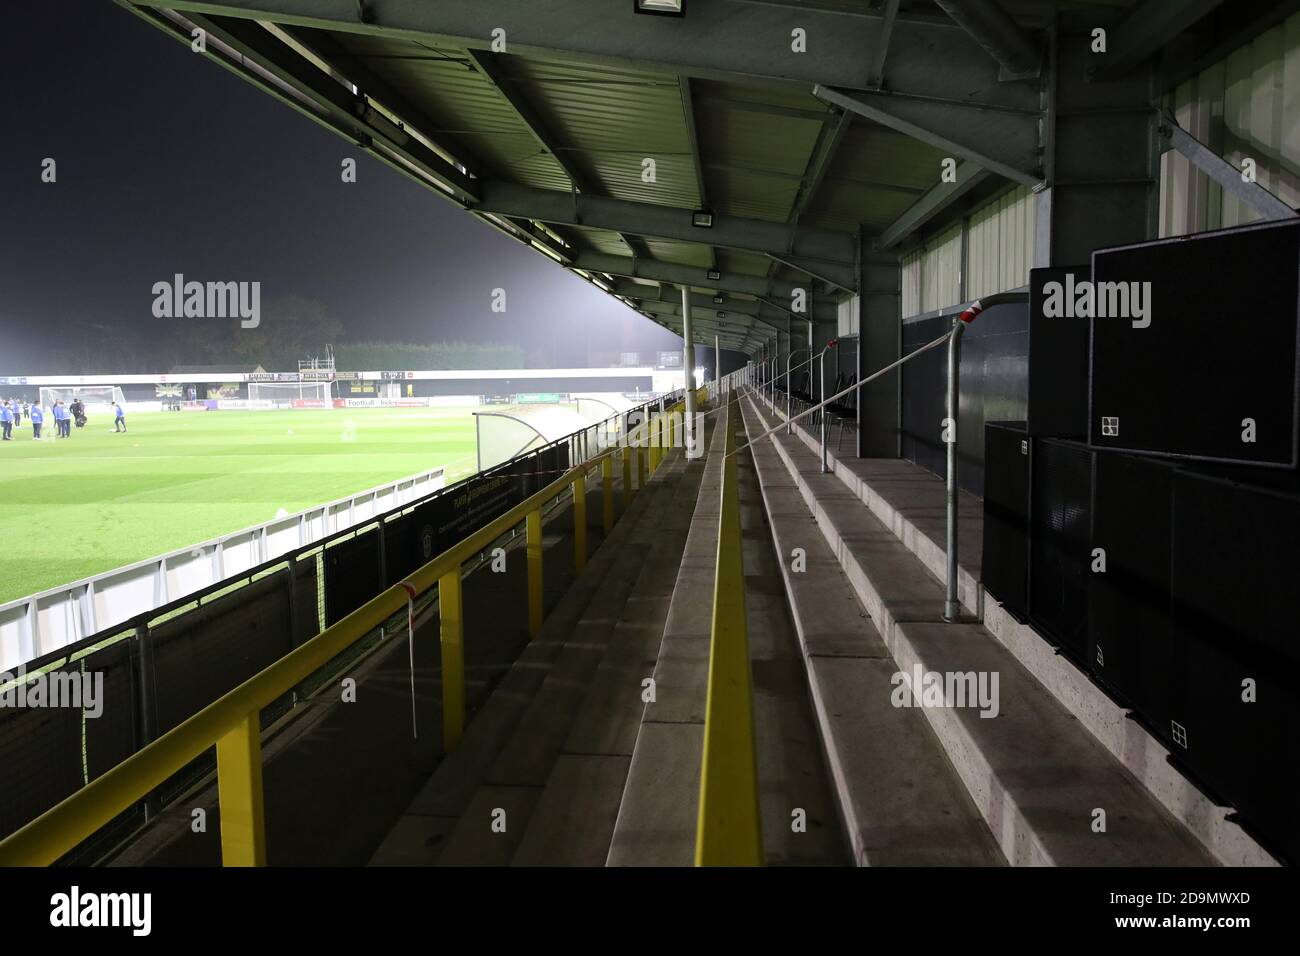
901	800
452	793
657	817
1037	775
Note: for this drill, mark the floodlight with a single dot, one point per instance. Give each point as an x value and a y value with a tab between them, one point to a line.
661	8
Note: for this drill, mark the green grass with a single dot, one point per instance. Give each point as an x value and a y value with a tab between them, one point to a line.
75	507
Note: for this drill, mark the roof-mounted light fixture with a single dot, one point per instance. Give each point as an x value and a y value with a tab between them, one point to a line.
702	218
717	300
714	275
660	8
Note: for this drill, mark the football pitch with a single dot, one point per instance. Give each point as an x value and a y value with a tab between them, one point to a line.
98	500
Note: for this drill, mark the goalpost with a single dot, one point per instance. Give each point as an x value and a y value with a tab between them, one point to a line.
90	395
287	392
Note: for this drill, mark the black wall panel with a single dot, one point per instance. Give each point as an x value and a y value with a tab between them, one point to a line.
1060	548
1129	639
351	575
1005	563
1235	612
1058	360
994	387
1221	347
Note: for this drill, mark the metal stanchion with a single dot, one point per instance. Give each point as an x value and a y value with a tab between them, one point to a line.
822	412
951	607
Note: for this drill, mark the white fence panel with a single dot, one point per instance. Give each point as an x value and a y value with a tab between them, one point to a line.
44	622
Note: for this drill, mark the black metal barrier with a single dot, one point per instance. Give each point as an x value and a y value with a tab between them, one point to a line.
164	666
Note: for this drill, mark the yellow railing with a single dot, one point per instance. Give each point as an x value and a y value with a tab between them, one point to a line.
729	833
232	722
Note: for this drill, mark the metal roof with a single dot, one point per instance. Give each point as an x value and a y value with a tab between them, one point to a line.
597	132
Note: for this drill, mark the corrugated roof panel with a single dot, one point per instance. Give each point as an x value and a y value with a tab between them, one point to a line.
738	137
469	116
732	94
843	204
754	195
742	263
682	253
611	122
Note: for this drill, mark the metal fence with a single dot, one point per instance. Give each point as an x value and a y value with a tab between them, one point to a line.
43	623
168	662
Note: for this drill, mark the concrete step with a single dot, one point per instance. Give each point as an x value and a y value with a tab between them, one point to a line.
657	819
524	760
423	832
900	799
1044	785
576	813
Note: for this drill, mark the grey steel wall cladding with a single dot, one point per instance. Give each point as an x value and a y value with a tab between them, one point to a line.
994	387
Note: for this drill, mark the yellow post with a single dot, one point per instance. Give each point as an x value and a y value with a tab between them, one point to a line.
641	456
451	617
729	831
239	790
534	542
627	475
580	522
656	429
607	493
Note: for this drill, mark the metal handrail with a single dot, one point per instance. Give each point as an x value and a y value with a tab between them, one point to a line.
953	339
232	722
729	832
133	621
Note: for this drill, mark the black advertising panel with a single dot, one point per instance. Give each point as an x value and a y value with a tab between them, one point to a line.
1005	562
1194	346
1129	613
1060	543
1058	354
351	575
462	510
1234	716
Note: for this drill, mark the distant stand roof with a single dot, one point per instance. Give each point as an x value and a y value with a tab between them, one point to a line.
216	370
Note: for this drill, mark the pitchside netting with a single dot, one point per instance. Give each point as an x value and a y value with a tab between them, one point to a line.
90	395
288	392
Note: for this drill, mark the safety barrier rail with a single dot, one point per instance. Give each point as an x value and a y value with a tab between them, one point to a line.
729	832
232	724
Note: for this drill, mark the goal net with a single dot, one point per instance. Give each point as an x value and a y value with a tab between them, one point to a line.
285	393
90	395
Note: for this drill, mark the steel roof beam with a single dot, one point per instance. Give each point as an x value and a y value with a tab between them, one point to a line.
939	198
1007	139
993	29
1147	29
876	72
831	253
674	274
823	154
707	316
761	309
492	68
927	58
270	63
692	136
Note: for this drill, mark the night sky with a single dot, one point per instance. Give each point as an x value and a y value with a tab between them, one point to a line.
168	163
